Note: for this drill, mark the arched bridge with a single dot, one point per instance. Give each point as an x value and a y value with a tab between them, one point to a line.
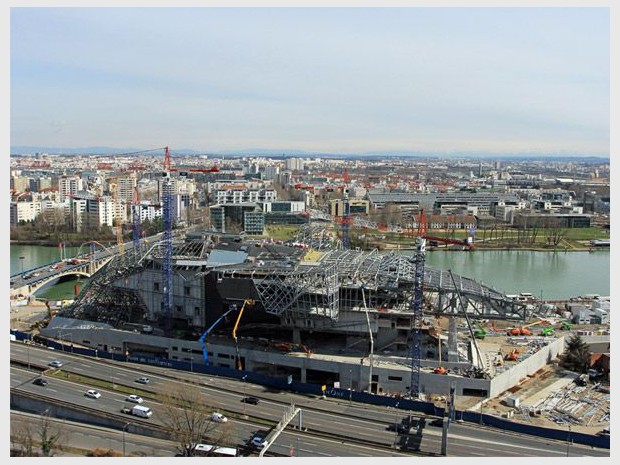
27	284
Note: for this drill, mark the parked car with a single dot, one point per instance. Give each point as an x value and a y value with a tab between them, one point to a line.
55	364
40	382
92	394
143	380
218	418
134	398
250	400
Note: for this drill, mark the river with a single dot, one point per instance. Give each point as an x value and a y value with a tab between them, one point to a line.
552	275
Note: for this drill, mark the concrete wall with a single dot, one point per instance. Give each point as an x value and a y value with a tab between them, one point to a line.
390	377
527	366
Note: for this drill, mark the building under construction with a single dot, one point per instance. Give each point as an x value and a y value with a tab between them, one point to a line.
304	308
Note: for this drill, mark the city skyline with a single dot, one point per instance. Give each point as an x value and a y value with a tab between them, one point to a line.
334	80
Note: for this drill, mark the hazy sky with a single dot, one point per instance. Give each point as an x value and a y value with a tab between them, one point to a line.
337	80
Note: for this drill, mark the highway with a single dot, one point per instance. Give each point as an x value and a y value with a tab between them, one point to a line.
332	428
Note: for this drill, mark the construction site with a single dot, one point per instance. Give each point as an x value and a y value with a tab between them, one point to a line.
313	310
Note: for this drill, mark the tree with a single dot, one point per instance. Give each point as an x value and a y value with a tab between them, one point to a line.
577	355
49	435
187	418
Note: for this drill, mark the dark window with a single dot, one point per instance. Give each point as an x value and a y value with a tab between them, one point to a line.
395	378
156	286
187	289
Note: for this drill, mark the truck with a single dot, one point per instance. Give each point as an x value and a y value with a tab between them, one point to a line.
138	410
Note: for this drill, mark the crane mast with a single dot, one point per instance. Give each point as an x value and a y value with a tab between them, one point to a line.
416	303
346	212
136	221
167	242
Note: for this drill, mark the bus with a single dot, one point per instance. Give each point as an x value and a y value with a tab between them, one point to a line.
210	450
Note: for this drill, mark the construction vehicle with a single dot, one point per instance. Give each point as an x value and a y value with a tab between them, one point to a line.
250	303
232	308
548	331
512	356
523	330
479	332
565	325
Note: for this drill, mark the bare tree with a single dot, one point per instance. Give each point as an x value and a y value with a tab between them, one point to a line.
187	416
49	435
22	439
554	234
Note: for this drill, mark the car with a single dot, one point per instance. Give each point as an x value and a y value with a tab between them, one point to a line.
40	382
55	364
258	441
218	418
398	427
250	400
436	422
92	394
143	380
134	398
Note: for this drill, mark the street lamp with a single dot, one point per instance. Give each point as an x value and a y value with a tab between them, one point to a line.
124	428
21	259
568	441
244	395
350	385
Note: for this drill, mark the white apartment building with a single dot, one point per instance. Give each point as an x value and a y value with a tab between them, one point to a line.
240	194
295	164
69	186
90	211
25	211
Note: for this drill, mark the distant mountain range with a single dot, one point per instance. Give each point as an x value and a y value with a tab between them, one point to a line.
281	153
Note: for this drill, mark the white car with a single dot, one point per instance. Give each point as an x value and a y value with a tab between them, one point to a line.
143	380
92	394
55	364
258	441
218	418
135	398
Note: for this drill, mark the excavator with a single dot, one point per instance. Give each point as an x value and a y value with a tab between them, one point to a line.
250	303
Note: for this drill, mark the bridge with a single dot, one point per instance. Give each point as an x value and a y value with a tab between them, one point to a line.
25	285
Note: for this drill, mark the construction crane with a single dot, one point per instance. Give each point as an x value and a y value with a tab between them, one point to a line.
136	220
346	212
416	303
248	302
167	242
232	308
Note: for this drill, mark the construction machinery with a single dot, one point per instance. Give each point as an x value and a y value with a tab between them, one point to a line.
523	330
232	308
548	331
513	355
248	302
479	332
565	326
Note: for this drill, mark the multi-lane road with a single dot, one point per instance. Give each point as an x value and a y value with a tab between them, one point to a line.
330	427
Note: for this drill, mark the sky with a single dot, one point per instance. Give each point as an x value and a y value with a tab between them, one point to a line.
335	80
